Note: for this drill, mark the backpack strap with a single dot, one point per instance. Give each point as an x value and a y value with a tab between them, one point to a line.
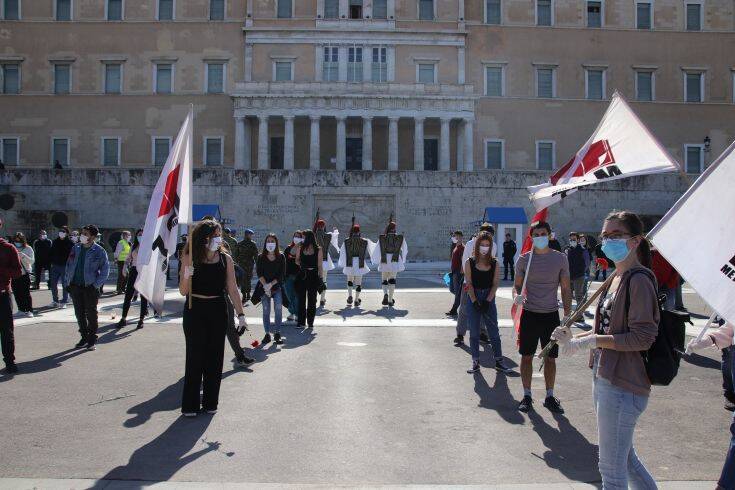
627	296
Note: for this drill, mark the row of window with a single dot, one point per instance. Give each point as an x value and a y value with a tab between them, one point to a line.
595	83
215	76
110	150
213	152
114	10
546	155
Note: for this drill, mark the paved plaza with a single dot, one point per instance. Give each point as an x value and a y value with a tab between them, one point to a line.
371	396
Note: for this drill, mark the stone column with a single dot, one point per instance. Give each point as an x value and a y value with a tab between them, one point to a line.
367	143
460	146
263	141
392	143
288	146
469	147
444	145
418	143
240	142
341	143
314	150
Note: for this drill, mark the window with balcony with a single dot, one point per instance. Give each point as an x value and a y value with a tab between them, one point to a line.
494	81
694	156
545	83
60	151
426	9
643	15
161	149
380	9
164	78
492	12
331	9
494	154
114	9
330	65
165	9
11	10
63	10
544	15
213	151
10	150
215	78
693	87
545	155
595	84
216	9
644	86
594	14
62	78
354	64
113	78
379	66
694	17
283	71
285	9
355	9
110	152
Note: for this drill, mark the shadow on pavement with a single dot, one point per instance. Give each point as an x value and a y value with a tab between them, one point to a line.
45	363
166	400
569	451
165	455
498	398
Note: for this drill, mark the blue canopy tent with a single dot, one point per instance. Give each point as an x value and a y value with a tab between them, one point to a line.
505	216
199	211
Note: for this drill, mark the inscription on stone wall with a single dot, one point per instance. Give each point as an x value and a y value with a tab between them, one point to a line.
371	212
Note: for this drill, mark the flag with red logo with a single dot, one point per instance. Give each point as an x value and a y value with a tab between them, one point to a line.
170	206
697	236
620	147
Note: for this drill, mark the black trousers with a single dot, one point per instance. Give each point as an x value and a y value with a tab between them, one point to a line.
22	292
205	325
7	337
307	290
120	288
508	265
130	292
38	268
85	309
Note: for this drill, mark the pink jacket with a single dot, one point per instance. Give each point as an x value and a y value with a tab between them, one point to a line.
723	336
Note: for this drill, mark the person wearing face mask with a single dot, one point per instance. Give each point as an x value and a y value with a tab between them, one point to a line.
42	252
121	254
87	269
470	245
457	273
245	255
577	270
554	243
60	250
390	255
207	276
326	241
509	253
469	249
353	259
310	261
626	324
292	272
271	271
482	277
74	237
549	271
131	274
22	284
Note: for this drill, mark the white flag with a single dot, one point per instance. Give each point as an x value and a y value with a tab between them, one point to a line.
698	238
170	205
620	147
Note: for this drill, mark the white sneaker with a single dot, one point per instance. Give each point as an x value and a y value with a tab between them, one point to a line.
63	306
29	314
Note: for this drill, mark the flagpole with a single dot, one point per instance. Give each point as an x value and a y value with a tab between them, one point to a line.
191	257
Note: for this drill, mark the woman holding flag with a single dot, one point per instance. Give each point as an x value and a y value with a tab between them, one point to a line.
626	323
208	275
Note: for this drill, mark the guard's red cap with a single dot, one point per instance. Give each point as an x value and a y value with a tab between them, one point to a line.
320	223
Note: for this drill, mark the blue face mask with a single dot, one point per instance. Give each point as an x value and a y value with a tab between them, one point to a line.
541	242
615	249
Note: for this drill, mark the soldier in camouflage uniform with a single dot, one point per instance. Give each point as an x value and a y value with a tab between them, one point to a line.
353	257
326	242
245	254
390	255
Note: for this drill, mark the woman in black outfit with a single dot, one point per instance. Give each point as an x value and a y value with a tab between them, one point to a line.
209	275
131	266
309	282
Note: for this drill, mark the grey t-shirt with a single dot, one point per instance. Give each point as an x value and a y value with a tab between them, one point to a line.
544	277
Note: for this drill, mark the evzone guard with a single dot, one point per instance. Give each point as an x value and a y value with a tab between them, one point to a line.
353	257
325	240
390	255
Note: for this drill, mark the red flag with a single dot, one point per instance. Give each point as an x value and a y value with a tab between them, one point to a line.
538	217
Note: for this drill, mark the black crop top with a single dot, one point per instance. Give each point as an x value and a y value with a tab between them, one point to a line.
308	261
210	279
482	279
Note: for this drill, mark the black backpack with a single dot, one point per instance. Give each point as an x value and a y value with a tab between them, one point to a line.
663	357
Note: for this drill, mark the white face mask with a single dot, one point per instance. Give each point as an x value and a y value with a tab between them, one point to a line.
454	239
484	250
74	238
43	237
18	244
270	246
582	242
298	240
83	239
573	243
214	243
62	235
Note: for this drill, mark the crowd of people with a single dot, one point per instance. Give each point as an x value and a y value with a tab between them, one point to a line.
216	273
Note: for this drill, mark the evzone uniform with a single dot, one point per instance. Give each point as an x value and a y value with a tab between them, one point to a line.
390	255
325	240
353	258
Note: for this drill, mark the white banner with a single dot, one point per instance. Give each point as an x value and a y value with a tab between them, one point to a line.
170	206
620	147
697	235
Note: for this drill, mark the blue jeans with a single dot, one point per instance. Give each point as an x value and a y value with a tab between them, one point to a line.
289	289
56	276
617	413
727	479
277	304
489	317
